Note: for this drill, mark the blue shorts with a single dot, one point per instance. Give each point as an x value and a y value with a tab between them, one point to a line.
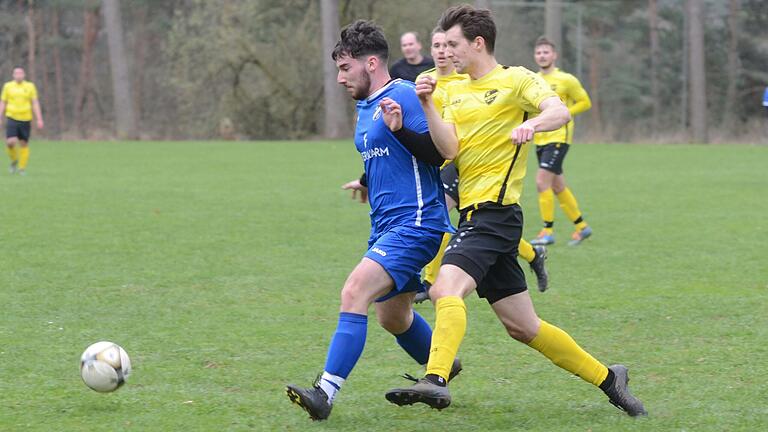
403	251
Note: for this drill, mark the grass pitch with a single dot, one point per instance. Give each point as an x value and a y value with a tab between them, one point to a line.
218	266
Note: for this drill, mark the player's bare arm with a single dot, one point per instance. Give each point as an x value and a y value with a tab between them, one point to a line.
443	134
554	114
356	186
38	113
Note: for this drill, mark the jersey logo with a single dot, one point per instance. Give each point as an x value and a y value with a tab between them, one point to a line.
377	113
490	96
365	140
379	251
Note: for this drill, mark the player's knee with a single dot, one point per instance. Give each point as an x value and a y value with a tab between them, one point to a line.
395	322
353	295
520	331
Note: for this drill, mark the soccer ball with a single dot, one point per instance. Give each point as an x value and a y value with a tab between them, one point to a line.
104	366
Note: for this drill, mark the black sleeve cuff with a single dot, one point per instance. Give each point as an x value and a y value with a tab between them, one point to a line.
364	180
420	145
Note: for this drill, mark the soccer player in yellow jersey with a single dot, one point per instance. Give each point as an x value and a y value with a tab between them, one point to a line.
444	73
488	123
551	148
18	101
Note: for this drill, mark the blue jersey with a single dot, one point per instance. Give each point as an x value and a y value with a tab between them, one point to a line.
765	97
402	191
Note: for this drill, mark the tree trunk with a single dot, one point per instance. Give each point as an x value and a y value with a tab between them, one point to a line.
734	64
122	96
32	39
139	62
335	113
698	81
90	32
58	74
595	71
553	23
42	61
653	30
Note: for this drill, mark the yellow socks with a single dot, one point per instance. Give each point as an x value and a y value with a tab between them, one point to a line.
563	351
23	157
571	208
547	209
525	250
12	153
450	326
431	269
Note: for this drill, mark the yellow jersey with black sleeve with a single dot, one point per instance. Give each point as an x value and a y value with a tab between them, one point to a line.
18	99
439	96
573	96
484	112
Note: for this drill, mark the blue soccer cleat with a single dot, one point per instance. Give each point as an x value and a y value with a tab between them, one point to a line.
544	238
580	236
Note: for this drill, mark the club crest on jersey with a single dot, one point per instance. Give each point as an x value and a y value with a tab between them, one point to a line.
377	113
490	96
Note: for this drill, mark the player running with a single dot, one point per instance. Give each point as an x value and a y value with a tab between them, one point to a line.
18	101
551	148
486	128
408	216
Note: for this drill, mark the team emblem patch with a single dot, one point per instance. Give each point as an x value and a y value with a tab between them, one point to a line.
490	96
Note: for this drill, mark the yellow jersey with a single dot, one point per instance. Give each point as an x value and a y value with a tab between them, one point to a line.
484	112
573	96
18	98
439	95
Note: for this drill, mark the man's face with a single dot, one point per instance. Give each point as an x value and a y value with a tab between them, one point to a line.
410	46
439	51
544	55
459	51
18	74
354	76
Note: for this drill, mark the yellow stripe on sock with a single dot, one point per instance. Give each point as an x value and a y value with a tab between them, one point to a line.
23	157
570	207
12	153
547	206
525	250
450	326
562	350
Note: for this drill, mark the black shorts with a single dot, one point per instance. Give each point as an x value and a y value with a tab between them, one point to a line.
485	246
551	156
17	129
450	178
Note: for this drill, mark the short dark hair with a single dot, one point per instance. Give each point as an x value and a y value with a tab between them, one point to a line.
474	22
435	31
542	40
359	39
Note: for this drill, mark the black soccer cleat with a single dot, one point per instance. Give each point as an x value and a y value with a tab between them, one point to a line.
537	265
422	296
313	400
423	391
619	394
455	369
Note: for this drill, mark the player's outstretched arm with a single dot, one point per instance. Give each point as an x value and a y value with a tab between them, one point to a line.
356	186
580	97
443	133
554	114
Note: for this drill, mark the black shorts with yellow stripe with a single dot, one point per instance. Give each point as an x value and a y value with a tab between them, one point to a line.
551	156
485	246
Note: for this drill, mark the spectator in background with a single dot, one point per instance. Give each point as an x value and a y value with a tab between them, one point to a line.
412	63
765	99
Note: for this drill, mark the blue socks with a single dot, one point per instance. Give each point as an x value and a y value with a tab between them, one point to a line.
417	339
347	344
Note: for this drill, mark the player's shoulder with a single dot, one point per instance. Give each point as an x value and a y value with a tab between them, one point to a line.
516	72
565	76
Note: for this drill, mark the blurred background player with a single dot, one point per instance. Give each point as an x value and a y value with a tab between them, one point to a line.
413	62
18	102
551	148
408	216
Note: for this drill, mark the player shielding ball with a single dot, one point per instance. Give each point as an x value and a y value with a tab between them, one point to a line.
18	103
408	215
488	123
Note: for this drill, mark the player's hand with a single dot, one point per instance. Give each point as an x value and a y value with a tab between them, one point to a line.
392	114
425	86
522	134
40	124
356	187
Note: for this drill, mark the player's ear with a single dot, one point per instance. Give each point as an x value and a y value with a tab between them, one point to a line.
478	43
372	63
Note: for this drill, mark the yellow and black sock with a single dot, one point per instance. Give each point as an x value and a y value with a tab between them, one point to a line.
547	209
431	269
526	252
571	208
450	326
562	350
23	157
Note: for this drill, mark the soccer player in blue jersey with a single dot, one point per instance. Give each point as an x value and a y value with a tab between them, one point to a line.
408	214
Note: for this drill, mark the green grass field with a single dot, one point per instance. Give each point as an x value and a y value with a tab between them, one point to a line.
218	267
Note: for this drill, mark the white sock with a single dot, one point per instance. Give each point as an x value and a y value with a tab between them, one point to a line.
330	384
